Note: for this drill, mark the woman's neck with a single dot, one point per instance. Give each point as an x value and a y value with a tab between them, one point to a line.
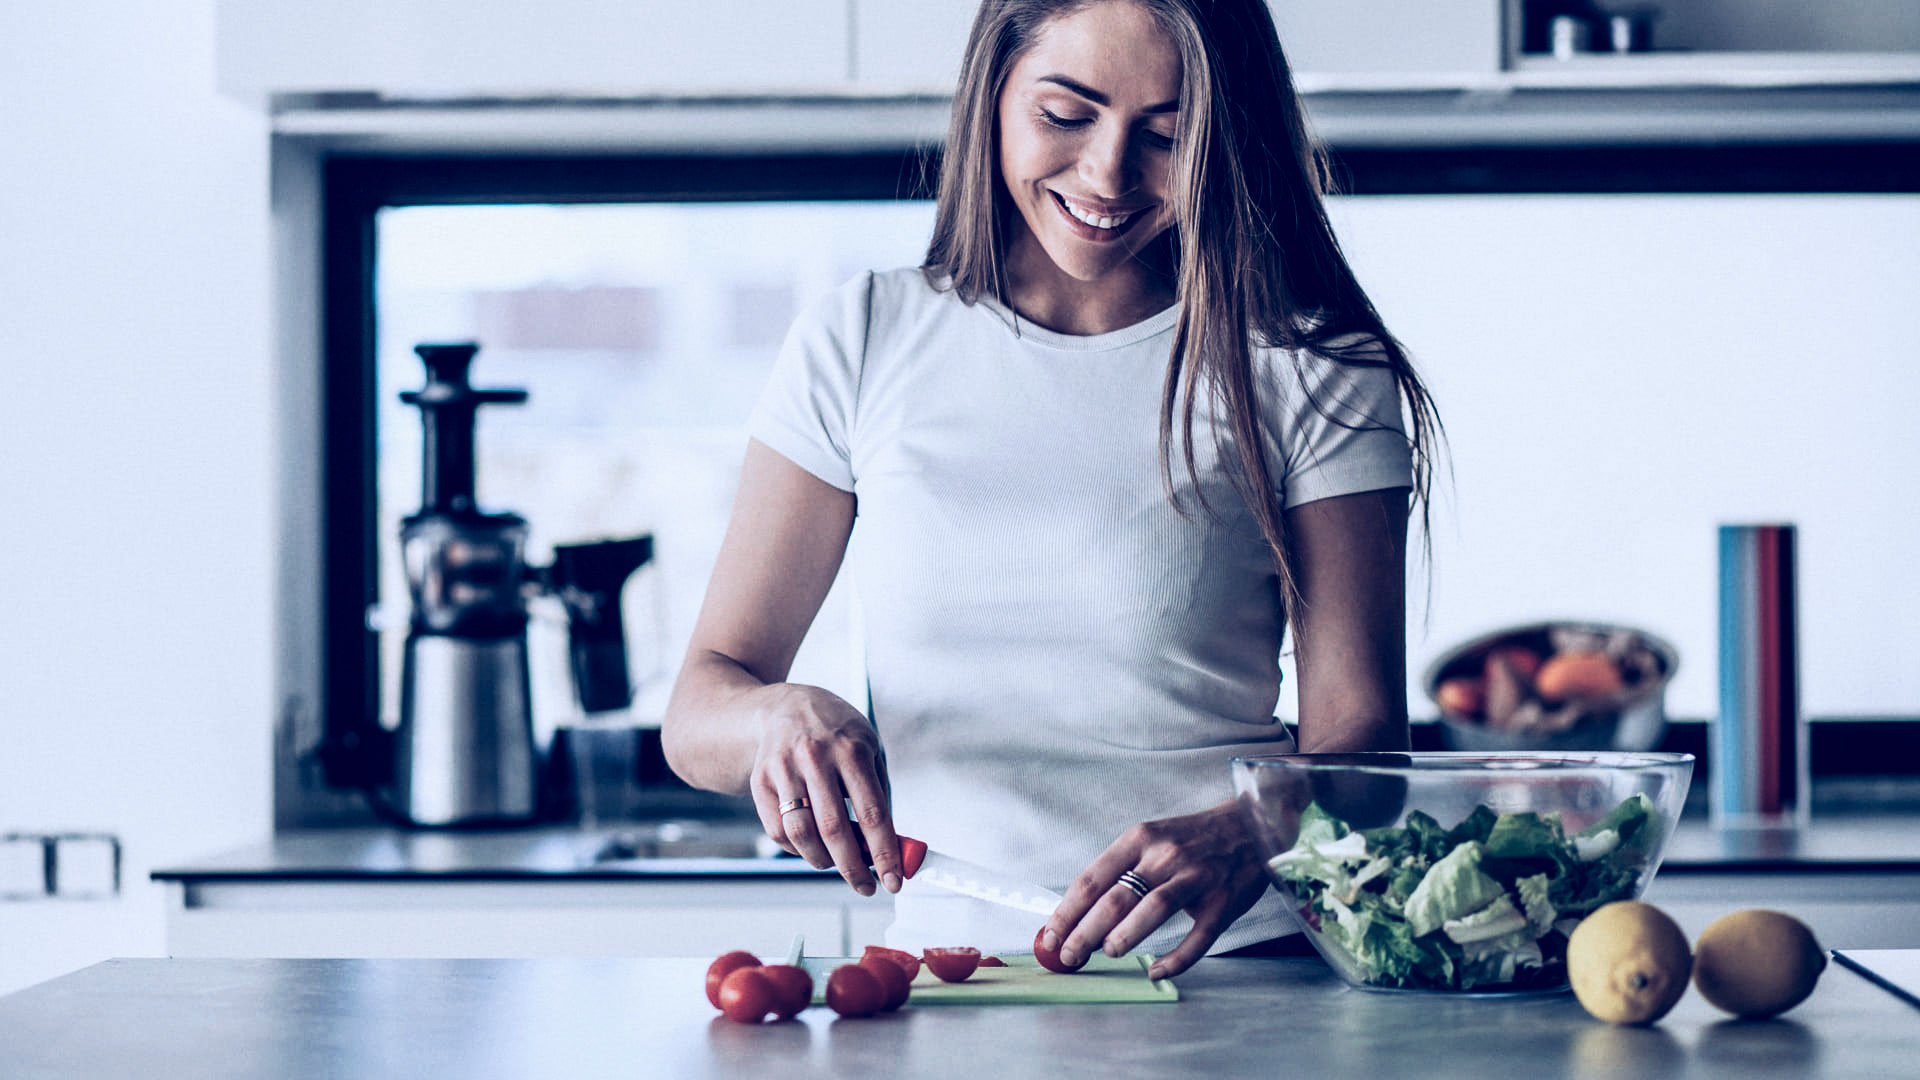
1040	293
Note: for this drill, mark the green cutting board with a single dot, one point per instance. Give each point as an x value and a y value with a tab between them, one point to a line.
1106	980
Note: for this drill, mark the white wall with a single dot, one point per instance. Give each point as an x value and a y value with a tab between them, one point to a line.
135	453
1620	375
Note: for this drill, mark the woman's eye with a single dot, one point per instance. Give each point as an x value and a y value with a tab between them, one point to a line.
1063	121
1156	140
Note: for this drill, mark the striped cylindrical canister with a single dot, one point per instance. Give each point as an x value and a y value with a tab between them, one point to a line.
1757	764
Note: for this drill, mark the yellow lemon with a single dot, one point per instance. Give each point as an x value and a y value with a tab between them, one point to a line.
1628	962
1757	963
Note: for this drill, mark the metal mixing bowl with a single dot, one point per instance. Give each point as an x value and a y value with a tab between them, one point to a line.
1635	721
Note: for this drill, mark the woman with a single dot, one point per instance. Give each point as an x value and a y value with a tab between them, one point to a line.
1131	418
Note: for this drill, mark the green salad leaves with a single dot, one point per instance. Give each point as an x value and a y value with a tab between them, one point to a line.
1487	903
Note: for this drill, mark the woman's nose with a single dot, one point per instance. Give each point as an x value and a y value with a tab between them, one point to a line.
1107	164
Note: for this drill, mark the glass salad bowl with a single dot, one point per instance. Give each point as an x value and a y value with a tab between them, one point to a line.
1458	872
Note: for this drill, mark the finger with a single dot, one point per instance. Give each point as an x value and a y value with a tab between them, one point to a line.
766	806
836	831
1087	890
802	828
1210	917
1096	931
1148	913
867	799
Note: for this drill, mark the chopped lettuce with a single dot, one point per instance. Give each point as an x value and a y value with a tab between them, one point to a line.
1489	902
1537	901
1497	920
1452	887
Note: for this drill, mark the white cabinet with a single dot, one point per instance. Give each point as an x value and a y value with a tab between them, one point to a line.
915	45
449	919
565	48
1399	42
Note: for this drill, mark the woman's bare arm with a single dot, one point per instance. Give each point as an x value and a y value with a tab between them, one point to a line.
734	724
1350	636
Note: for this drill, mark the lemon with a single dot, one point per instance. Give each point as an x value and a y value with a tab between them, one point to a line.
1628	962
1757	963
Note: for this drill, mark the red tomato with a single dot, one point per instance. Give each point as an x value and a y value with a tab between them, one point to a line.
728	963
912	853
953	965
747	995
855	991
892	980
1050	958
992	961
792	989
908	962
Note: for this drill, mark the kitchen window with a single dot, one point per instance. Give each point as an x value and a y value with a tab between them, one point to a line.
642	332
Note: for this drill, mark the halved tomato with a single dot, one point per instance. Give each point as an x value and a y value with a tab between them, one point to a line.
953	965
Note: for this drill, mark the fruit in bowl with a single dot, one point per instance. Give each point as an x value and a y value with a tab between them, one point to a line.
1554	686
1458	872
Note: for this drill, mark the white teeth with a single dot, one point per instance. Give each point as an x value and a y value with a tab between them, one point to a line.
1096	222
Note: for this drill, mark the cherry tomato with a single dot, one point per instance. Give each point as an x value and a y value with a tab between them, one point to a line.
728	963
792	989
992	961
892	980
1050	958
747	995
953	965
908	962
855	991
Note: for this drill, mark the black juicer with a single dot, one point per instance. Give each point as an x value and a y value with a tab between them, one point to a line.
466	752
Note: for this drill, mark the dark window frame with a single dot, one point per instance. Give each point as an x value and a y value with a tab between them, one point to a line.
354	751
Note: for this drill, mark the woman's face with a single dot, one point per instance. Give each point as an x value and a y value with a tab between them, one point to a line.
1086	121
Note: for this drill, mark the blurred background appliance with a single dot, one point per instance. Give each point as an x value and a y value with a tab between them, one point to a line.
466	752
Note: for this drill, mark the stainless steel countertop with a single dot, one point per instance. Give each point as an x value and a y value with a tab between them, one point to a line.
1851	843
580	1019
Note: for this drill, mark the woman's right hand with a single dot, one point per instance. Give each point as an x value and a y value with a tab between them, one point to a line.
820	752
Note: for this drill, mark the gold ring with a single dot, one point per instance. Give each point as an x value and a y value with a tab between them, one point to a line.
799	803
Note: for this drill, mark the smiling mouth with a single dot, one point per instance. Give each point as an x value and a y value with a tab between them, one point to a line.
1096	225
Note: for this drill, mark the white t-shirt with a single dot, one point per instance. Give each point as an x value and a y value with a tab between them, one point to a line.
1055	651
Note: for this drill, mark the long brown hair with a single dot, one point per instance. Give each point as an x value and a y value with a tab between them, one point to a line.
1254	258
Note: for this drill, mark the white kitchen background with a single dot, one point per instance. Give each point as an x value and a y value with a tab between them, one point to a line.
1618	374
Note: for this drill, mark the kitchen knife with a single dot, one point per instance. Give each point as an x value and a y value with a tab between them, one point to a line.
968	879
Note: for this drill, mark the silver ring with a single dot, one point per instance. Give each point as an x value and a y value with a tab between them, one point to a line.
788	807
1134	882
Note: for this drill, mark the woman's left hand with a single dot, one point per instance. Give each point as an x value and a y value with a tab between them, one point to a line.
1204	864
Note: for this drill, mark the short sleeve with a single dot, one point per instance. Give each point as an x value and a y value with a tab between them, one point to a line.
1340	430
806	411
